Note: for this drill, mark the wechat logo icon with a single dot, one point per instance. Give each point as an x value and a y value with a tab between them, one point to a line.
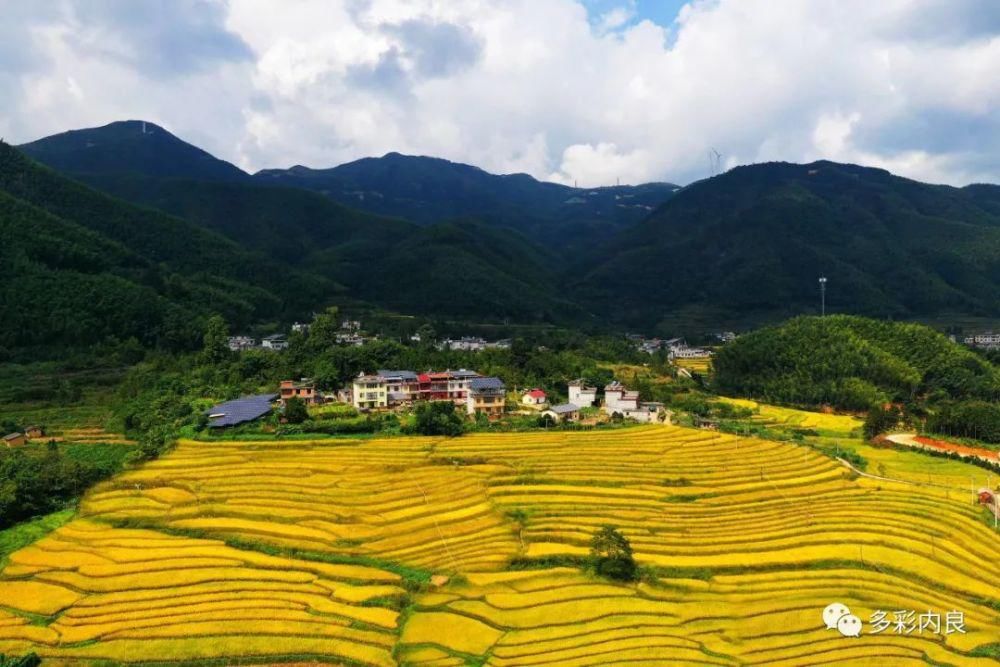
838	617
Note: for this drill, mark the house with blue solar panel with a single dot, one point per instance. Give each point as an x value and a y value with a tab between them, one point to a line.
486	396
242	410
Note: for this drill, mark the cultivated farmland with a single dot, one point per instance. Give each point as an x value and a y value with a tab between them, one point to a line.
325	550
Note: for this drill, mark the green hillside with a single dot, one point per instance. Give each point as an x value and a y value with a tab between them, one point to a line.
732	252
300	249
83	266
749	246
851	363
427	190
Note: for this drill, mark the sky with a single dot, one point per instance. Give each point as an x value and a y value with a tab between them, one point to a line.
586	91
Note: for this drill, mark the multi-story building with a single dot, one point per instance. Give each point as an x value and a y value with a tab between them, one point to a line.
402	386
389	388
458	384
369	392
617	398
434	386
304	389
581	394
486	395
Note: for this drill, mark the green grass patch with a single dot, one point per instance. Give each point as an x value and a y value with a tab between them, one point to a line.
28	532
986	651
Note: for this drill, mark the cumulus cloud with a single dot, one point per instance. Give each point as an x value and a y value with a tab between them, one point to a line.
569	91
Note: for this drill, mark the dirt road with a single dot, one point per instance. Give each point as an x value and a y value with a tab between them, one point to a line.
923	442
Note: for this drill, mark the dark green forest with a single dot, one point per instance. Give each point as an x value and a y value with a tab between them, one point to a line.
82	267
425	236
746	248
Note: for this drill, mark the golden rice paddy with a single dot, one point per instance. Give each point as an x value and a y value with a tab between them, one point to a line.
774	415
289	551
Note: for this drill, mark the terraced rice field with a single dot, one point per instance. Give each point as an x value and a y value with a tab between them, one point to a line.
746	542
558	617
386	499
701	365
78	423
773	415
134	595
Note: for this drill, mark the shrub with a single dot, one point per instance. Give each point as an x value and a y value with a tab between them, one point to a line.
438	418
295	410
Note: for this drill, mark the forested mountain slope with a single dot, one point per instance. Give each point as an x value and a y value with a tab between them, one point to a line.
82	266
749	246
428	189
852	363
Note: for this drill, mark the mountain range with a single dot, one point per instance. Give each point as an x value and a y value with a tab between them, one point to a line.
427	236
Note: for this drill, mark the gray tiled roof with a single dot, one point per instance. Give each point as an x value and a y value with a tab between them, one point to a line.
241	410
480	384
564	408
406	376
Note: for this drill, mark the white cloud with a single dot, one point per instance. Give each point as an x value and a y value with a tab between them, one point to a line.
536	85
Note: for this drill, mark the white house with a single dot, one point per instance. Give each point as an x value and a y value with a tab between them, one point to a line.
275	342
582	395
533	397
369	392
458	384
617	398
647	413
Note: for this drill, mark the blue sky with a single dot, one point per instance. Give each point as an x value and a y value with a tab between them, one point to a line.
661	12
534	86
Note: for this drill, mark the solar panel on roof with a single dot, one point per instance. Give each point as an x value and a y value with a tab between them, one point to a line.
486	383
241	410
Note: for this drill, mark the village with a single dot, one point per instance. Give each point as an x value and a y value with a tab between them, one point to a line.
351	334
473	394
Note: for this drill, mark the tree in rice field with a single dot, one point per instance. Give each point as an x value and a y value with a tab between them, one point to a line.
611	554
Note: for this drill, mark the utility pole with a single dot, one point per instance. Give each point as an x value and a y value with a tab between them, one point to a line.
822	296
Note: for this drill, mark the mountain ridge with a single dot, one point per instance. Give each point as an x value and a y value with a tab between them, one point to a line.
736	250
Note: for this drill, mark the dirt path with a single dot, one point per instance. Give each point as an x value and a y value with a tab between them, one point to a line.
923	442
880	478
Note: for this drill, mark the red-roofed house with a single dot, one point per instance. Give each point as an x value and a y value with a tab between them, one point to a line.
533	397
